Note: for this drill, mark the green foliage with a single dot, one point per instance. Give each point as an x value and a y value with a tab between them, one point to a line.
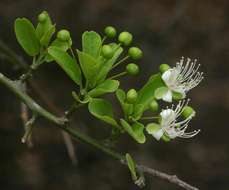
90	67
147	93
108	86
26	36
135	130
102	109
132	166
96	60
67	63
91	43
107	65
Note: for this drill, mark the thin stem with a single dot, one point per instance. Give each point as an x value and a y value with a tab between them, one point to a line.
118	75
28	128
72	109
149	118
103	40
121	61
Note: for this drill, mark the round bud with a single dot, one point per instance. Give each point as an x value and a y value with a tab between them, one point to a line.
63	35
42	17
187	112
107	51
125	38
164	67
132	69
131	96
135	53
177	96
153	105
110	31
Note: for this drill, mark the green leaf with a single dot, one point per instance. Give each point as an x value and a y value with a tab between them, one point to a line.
67	63
121	96
26	36
132	166
107	86
146	94
136	130
44	27
106	66
102	109
63	45
160	92
91	42
45	39
128	109
138	111
89	65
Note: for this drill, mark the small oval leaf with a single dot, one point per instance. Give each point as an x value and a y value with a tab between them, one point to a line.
67	63
102	109
26	36
132	166
107	86
136	130
89	65
91	43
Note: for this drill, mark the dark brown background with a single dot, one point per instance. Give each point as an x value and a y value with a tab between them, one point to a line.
165	30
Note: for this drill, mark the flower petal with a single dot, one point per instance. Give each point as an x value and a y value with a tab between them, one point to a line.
167	97
155	130
160	92
166	76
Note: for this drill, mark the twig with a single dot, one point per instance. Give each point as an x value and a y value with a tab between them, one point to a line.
170	178
75	133
28	129
25	117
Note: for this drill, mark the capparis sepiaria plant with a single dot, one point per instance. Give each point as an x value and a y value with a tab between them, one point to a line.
143	118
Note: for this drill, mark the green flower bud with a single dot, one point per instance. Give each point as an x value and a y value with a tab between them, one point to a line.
187	112
42	17
177	96
131	96
63	35
107	51
153	105
164	67
132	69
125	38
110	31
135	53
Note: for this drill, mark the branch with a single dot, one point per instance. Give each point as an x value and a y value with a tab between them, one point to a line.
75	133
36	108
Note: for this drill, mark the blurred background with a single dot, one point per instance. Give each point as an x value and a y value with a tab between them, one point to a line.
165	30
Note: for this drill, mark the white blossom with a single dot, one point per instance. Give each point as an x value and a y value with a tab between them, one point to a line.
181	78
169	124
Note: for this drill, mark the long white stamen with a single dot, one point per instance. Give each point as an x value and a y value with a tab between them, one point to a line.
184	76
174	129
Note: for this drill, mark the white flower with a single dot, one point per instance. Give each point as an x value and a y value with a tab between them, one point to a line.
169	124
181	78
